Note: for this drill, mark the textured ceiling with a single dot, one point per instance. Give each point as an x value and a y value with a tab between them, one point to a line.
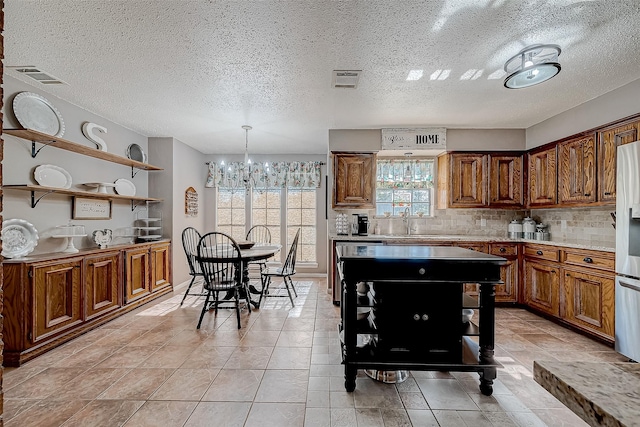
198	70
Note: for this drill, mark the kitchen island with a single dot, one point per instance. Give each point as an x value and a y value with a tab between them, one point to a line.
416	297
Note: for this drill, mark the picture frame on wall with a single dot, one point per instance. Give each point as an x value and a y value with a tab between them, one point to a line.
89	208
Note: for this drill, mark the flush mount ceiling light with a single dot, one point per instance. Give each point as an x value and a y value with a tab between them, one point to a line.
532	65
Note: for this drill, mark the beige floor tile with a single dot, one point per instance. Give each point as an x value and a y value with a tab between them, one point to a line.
90	384
105	413
186	384
249	358
317	417
88	357
446	394
47	414
14	407
560	417
168	413
283	386
318	399
369	417
290	358
295	339
461	418
343	417
234	385
395	417
260	338
413	400
127	357
276	415
44	383
208	357
422	418
138	384
168	357
227	414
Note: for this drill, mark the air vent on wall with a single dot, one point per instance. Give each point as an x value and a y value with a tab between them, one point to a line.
346	79
37	74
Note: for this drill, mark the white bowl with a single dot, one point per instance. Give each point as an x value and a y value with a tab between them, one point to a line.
467	314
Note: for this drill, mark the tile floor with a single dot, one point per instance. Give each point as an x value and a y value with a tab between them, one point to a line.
152	367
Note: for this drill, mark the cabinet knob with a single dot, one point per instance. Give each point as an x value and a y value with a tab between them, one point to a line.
607	193
416	317
503	250
587	260
538	252
422	271
425	317
587	194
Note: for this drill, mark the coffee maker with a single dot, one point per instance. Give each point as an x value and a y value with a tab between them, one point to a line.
360	224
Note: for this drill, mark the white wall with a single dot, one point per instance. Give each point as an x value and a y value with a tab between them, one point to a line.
612	106
54	209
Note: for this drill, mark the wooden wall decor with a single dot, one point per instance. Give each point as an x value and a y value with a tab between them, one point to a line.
191	202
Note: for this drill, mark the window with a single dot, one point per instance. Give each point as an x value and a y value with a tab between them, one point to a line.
231	212
301	213
403	183
265	210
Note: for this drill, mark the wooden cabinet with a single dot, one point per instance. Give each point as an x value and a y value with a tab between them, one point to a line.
577	171
542	289
505	180
160	266
137	273
543	181
509	273
608	141
50	299
589	301
101	276
57	298
354	180
468	180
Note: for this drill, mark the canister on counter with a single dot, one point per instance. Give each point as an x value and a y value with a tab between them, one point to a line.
529	228
515	229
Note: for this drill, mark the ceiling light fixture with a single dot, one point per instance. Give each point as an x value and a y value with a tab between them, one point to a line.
532	65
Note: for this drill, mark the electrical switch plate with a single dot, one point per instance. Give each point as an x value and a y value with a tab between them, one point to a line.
483	222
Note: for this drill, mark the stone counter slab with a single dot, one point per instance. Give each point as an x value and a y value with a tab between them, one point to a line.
602	394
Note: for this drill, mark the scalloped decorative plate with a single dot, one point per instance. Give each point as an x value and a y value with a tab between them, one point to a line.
35	112
19	238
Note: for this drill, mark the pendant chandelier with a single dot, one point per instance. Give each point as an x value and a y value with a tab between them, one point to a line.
247	161
532	65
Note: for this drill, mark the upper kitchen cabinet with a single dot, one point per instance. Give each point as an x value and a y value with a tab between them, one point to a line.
608	141
354	180
543	181
577	170
505	180
467	180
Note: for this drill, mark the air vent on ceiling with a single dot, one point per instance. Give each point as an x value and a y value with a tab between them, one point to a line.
346	79
37	74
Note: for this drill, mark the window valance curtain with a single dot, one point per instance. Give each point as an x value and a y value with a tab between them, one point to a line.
396	173
265	175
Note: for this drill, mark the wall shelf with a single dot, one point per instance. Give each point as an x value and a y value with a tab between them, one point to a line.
51	190
52	141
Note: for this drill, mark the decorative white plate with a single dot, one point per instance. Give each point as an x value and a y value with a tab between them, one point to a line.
52	176
124	187
19	238
35	112
101	186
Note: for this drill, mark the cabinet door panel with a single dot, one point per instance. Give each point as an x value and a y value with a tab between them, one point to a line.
468	181
543	180
505	181
354	180
577	171
608	141
101	284
57	298
160	268
590	301
138	276
542	287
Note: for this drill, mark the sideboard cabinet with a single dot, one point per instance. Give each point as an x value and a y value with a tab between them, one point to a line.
51	299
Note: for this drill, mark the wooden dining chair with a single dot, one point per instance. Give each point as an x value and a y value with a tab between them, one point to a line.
221	264
260	234
287	270
190	239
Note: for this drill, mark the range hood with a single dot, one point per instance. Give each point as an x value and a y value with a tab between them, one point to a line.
417	141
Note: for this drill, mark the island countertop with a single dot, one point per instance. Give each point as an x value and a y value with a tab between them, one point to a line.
602	394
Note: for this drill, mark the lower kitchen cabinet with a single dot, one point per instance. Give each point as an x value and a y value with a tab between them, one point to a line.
137	272
57	299
51	299
506	292
101	276
542	289
589	301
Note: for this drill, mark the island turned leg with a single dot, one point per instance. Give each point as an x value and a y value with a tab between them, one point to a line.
487	337
348	310
350	373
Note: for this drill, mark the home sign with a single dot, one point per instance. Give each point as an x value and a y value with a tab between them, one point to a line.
416	139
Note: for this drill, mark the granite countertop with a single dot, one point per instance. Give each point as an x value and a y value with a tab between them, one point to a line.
602	394
425	238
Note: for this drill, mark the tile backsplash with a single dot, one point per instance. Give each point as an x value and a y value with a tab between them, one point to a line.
577	225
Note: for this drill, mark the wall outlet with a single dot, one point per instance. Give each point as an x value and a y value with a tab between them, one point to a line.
483	222
563	224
